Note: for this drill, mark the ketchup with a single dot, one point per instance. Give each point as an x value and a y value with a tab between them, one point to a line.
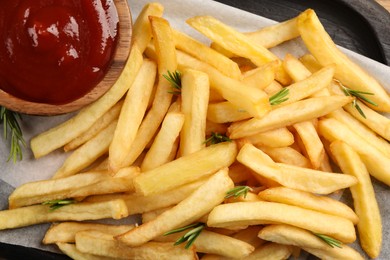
55	51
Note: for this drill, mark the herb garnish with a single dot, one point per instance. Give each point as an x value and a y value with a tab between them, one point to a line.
217	138
190	236
175	80
359	95
56	204
279	97
332	242
10	123
238	191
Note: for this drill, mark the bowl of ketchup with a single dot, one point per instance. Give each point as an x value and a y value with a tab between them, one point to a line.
57	56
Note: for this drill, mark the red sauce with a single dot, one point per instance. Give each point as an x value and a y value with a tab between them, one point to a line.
55	51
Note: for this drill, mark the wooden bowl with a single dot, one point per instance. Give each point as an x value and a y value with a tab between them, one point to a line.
119	60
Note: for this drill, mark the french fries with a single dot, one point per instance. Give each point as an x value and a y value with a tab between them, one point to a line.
36	214
309	201
257	213
303	110
97	243
325	51
133	110
195	98
182	171
65	232
366	207
210	193
293	177
290	235
229	139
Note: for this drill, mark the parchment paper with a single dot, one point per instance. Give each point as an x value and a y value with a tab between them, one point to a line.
176	11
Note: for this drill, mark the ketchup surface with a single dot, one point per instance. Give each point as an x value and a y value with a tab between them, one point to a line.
55	51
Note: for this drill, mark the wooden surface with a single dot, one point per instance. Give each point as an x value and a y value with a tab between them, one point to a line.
385	4
119	60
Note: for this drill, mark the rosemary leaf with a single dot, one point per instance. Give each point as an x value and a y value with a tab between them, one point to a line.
359	95
56	204
10	120
279	97
175	80
217	138
190	236
332	242
238	191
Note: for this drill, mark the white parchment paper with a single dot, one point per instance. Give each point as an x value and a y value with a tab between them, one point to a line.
176	11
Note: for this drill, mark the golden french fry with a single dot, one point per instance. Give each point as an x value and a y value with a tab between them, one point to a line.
292	176
271	251
366	206
46	190
273	88
231	39
212	127
138	204
303	110
249	98
309	86
320	44
97	243
361	130
142	31
58	136
250	235
160	151
378	123
166	61
195	97
262	76
86	154
225	112
65	232
313	145
310	62
261	212
204	53
309	201
286	155
98	126
280	137
213	243
268	36
133	110
273	35
376	162
122	181
71	251
236	42
206	197
290	235
183	170
36	214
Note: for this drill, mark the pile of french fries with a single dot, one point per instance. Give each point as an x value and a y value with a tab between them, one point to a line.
228	139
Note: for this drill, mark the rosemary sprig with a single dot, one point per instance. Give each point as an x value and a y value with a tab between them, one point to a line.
217	138
190	236
332	242
175	80
279	97
10	120
56	204
359	95
238	191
